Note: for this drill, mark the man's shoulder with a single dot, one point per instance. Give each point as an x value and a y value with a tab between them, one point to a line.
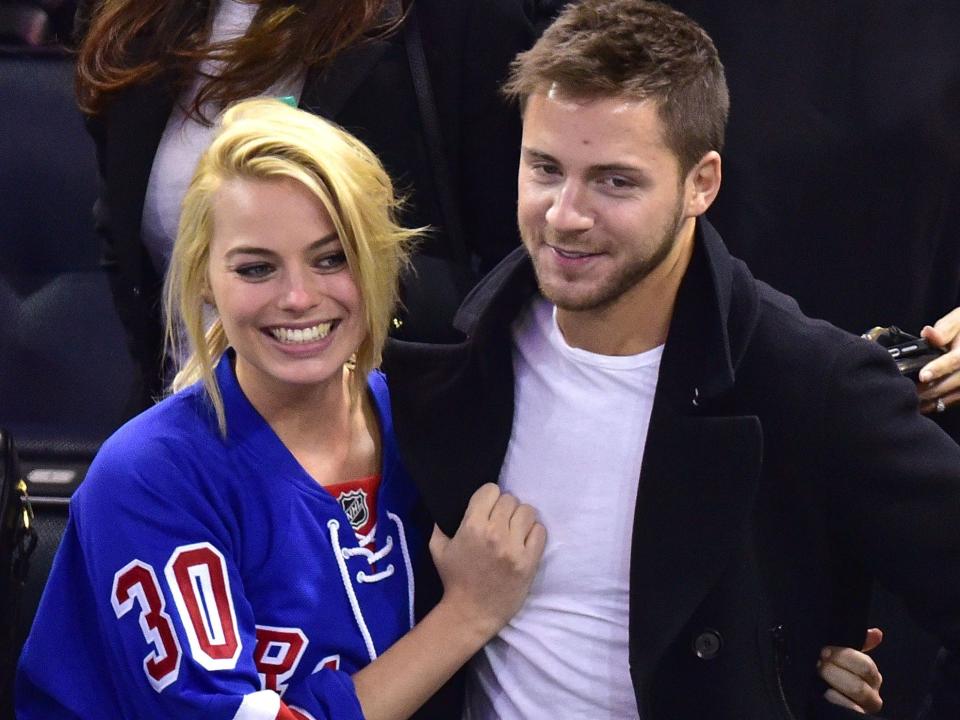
787	343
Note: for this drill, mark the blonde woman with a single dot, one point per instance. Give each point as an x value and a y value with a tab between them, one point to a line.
244	548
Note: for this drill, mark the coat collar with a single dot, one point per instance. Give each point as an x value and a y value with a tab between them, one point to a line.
708	335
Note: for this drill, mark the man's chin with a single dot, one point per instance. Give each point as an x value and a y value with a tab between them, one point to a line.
572	299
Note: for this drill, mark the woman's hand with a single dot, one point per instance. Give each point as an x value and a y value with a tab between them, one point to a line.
852	675
939	381
487	567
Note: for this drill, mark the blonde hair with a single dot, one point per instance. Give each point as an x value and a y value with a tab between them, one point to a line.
268	140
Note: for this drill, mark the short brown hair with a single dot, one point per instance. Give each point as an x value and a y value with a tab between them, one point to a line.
637	49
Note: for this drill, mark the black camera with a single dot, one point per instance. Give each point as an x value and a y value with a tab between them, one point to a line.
909	351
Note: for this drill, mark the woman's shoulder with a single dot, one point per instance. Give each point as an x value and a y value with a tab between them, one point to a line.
163	441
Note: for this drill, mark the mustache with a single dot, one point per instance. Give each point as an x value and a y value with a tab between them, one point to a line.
576	241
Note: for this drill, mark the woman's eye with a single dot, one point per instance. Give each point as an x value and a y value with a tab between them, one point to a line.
334	261
254	271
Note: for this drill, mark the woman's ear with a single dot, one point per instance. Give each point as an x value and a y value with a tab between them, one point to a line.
206	293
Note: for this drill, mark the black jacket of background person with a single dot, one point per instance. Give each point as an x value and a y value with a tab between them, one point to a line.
785	465
369	91
841	170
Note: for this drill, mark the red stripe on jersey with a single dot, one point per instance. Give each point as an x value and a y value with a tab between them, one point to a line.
286	713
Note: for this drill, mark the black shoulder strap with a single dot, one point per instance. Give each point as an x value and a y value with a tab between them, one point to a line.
426	101
18	539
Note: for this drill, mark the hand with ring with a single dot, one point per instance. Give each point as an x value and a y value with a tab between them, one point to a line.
939	380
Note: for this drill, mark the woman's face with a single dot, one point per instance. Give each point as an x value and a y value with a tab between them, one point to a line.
281	285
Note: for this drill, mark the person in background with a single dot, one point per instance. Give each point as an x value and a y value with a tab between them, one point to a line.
416	82
244	548
840	189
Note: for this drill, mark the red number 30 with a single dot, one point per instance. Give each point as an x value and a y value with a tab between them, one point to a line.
136	582
198	580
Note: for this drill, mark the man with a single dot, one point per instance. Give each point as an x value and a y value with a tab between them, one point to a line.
720	476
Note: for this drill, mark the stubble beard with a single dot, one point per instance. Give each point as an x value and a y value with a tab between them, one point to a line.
621	279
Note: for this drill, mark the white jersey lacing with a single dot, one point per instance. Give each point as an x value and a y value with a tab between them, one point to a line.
343	554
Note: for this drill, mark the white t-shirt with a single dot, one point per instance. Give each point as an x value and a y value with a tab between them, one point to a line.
579	430
184	140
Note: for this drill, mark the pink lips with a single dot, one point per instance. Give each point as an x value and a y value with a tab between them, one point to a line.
571	258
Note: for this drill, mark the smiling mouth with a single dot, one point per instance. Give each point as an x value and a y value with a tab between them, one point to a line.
571	254
295	336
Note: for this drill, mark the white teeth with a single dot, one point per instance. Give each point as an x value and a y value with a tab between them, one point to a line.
305	335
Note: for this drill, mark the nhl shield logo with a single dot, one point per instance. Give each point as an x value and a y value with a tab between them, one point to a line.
354	504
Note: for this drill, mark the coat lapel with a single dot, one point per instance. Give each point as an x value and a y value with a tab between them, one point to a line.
453	404
701	464
697	489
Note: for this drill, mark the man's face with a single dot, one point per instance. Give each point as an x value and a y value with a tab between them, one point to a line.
601	200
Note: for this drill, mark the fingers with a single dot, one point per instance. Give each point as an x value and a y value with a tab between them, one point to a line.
489	565
940	368
852	674
843	701
536	541
503	510
482	501
521	521
939	379
929	398
945	333
945	330
438	542
872	640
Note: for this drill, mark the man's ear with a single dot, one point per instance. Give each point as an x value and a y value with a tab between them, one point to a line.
702	184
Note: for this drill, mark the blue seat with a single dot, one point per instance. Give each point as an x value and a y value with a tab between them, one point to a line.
66	378
65	374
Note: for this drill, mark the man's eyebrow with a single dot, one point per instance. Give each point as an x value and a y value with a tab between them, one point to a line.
533	154
537	154
617	168
329	239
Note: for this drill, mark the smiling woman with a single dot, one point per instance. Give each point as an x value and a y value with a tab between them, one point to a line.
251	537
261	215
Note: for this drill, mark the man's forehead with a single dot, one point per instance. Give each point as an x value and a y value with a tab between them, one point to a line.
556	117
614	103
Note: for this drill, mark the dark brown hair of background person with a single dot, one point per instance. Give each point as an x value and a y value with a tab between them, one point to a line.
641	50
282	35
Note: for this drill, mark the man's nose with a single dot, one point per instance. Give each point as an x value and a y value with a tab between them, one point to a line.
568	211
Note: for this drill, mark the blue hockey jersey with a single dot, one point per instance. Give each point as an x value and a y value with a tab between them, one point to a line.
203	577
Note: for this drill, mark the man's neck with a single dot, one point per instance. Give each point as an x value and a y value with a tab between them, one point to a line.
639	319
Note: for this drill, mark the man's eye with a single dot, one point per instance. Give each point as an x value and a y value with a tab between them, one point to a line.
545	170
254	271
331	262
618	182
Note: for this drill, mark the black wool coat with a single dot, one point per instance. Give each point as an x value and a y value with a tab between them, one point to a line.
786	466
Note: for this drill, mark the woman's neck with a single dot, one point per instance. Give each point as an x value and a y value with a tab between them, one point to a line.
332	435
